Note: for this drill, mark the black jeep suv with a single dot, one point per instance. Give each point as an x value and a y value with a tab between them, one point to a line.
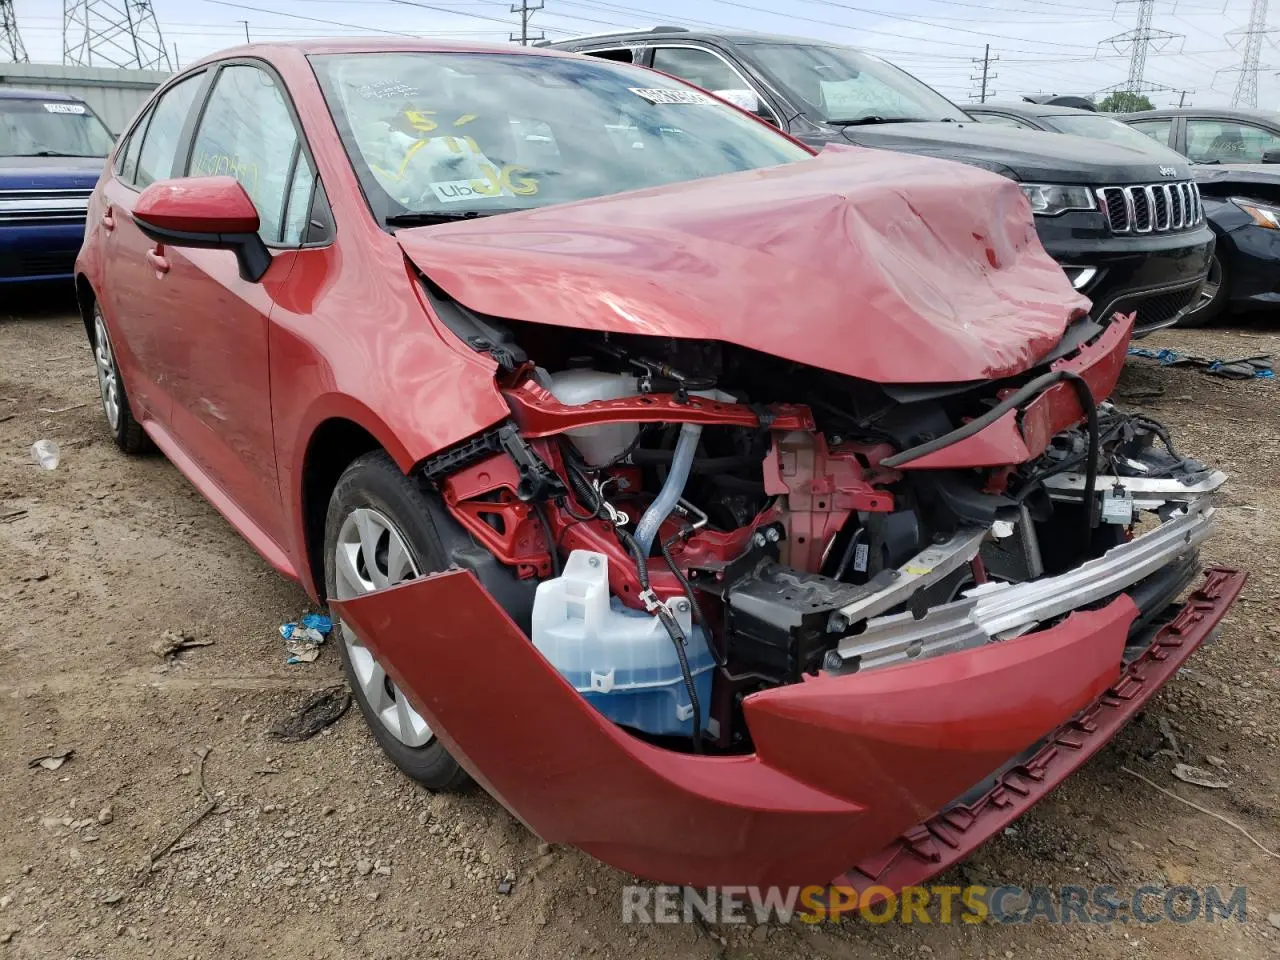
1127	229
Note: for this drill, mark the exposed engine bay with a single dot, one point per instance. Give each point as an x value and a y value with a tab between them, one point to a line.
680	524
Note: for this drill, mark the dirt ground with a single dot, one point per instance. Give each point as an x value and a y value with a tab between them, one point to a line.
320	849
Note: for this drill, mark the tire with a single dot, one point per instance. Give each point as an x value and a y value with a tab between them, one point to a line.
374	503
1213	297
125	429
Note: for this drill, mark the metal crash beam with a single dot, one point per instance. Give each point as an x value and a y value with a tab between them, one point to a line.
1000	609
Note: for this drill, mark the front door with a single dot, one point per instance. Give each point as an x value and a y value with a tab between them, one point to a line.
216	347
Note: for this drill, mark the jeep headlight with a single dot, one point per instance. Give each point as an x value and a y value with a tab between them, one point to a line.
1051	199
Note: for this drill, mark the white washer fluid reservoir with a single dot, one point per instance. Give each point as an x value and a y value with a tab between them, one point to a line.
621	660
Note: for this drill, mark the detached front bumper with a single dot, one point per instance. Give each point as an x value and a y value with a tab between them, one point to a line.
849	769
942	840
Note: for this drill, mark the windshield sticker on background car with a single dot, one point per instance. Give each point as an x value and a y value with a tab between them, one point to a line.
76	108
654	95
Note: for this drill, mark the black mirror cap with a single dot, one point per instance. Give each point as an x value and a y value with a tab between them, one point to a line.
252	255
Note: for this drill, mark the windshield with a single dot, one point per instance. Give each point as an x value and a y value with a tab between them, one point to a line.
448	134
842	85
1103	128
51	128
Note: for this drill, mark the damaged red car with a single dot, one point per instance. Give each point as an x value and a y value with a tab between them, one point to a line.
735	513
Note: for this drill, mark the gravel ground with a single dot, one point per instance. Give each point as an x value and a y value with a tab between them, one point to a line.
320	849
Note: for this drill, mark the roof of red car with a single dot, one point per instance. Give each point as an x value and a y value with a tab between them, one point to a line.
376	44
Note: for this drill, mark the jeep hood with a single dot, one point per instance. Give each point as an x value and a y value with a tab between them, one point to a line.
891	268
1027	155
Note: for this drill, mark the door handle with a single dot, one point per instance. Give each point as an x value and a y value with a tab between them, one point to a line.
158	259
108	221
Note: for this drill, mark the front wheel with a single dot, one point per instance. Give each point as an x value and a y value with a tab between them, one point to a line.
1213	297
378	533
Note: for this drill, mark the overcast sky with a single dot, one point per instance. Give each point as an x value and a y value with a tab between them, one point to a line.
1049	46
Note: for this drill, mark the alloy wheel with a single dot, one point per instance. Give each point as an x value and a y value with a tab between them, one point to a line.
108	377
371	554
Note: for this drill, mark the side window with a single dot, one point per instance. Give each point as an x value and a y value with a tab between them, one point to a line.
297	207
164	129
624	55
1002	121
699	67
706	70
247	132
129	155
1157	130
1228	141
122	154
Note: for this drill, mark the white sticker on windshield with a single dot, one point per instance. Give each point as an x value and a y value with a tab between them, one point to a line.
386	90
451	191
844	98
64	107
655	95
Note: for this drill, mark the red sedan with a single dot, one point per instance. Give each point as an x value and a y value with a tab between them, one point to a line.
736	513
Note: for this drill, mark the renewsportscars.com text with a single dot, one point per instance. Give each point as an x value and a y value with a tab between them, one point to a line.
938	904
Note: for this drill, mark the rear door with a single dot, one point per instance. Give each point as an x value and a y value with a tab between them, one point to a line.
1218	140
149	155
216	323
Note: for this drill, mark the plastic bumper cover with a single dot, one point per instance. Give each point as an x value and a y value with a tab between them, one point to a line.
844	764
944	839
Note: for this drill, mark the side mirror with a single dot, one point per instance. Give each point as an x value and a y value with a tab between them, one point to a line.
212	212
1271	156
744	98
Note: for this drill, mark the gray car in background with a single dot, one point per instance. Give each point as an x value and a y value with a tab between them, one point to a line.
1210	135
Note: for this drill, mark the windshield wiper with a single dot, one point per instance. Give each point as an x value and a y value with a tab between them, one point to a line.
55	153
422	218
875	118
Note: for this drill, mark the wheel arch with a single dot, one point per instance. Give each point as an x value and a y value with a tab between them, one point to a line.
86	297
333	446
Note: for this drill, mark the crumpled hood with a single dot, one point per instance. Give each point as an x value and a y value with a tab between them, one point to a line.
891	268
1026	155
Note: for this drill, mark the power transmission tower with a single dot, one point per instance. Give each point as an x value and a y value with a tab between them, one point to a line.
113	33
1250	39
11	48
526	10
1142	39
984	79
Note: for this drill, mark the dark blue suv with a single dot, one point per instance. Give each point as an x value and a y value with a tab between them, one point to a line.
52	149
